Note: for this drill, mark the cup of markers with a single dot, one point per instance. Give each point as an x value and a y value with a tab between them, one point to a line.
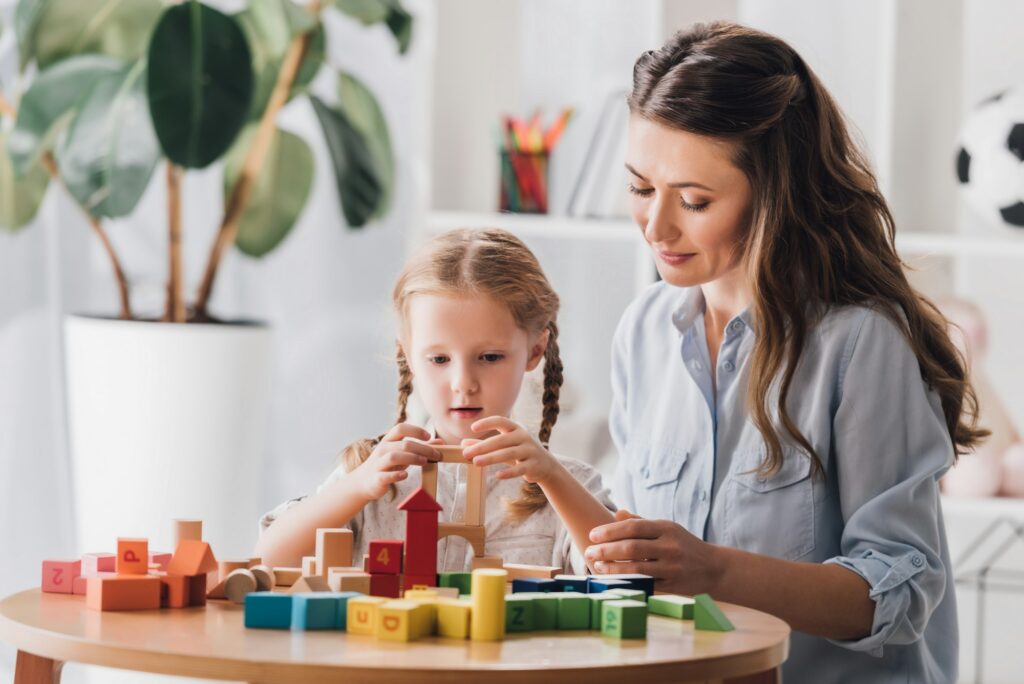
525	151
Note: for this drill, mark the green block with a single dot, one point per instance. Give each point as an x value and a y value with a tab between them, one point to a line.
459	580
545	610
624	619
632	594
596	600
670	605
708	616
519	613
573	610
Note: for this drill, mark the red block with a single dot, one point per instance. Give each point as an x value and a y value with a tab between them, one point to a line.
386	585
385	556
197	590
174	591
421	511
59	575
412	581
95	563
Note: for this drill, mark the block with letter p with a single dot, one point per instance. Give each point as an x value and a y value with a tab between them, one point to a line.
132	556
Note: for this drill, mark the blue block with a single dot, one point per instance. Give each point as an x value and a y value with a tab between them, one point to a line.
636	581
534	584
600	583
342	598
315	610
572	583
268	610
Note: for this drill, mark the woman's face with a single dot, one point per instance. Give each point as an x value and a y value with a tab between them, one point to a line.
690	200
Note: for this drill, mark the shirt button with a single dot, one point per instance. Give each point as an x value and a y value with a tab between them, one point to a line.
703	495
697	365
728	365
917	561
735	326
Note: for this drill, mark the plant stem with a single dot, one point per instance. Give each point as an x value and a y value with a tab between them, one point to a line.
175	312
239	197
51	167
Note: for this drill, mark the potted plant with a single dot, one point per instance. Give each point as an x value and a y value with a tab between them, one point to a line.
166	414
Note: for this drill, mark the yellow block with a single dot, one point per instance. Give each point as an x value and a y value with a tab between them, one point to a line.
362	614
426	615
453	618
420	593
398	621
487	619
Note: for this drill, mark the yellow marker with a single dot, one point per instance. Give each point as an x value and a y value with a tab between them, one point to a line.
453	618
361	614
396	620
487	619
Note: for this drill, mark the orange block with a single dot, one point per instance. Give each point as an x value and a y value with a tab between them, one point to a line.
159	559
192	557
196	590
174	591
132	556
124	592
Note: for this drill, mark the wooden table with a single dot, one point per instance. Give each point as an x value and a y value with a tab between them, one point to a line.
211	642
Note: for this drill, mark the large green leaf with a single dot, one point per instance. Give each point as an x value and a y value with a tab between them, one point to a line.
51	100
390	12
20	197
360	186
279	192
51	30
200	83
362	110
400	22
109	153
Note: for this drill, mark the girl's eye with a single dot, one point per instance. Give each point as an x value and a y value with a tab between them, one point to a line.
438	359
642	192
492	358
701	206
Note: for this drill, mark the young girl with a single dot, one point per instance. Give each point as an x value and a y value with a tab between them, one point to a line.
476	313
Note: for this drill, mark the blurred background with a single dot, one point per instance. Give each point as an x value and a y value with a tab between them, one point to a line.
912	76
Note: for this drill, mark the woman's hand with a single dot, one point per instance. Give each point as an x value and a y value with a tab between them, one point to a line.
512	445
391	458
680	562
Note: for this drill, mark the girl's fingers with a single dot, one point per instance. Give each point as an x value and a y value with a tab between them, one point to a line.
425	450
403	430
499	423
499	441
511	472
507	455
400	460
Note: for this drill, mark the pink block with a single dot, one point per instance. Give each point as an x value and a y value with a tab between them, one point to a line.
78	586
59	575
95	563
160	559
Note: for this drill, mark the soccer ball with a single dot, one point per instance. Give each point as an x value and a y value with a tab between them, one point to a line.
990	162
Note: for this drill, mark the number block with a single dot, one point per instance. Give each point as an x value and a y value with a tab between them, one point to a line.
95	563
708	616
453	618
534	584
459	580
123	592
389	586
576	583
670	605
397	621
573	610
519	613
362	614
317	610
624	619
596	604
132	556
59	576
385	556
268	610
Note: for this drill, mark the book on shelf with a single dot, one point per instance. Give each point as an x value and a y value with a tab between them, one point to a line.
600	188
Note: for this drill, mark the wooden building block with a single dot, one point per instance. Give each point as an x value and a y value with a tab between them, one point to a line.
397	621
78	586
528	584
447	592
187	529
132	556
636	581
389	586
670	605
450	453
268	610
123	592
519	571
487	620
192	558
417	581
475	492
309	566
309	583
217	592
421	511
624	619
317	610
573	610
160	559
545	611
226	567
333	549
518	613
456	580
576	583
362	614
59	576
596	603
238	584
286	577
426	614
254	561
385	556
197	589
708	616
428	478
453	618
174	591
349	581
95	563
632	594
343	598
476	535
366	562
265	579
487	562
597	584
420	594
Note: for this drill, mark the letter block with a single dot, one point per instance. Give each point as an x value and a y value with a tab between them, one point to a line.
132	556
385	556
362	614
624	619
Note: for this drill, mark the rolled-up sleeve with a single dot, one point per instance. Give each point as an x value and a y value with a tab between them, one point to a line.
891	447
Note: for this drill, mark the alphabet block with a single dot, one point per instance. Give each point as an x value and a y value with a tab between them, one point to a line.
453	618
624	619
59	576
596	605
362	614
577	583
385	556
396	621
573	610
518	613
268	610
132	556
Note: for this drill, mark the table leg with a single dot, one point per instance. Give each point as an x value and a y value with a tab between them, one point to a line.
32	669
773	676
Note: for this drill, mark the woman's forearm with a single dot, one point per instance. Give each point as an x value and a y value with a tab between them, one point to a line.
825	600
576	506
293	534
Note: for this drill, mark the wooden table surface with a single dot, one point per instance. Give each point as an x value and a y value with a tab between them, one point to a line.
211	642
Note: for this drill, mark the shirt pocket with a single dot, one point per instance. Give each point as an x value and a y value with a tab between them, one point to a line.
528	549
771	515
655	473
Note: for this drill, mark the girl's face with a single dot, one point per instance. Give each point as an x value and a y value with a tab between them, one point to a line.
690	200
467	357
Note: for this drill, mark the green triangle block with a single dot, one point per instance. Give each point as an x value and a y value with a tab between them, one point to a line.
670	605
708	616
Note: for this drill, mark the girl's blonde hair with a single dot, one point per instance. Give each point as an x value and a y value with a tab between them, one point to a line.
496	264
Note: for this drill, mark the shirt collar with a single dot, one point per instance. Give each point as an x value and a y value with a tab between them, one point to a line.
692	307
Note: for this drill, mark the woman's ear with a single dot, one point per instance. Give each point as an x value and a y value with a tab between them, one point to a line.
538	349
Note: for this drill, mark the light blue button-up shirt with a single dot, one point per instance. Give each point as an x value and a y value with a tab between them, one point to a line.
689	454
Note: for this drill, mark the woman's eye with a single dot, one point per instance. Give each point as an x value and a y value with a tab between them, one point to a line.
437	360
700	206
642	192
492	358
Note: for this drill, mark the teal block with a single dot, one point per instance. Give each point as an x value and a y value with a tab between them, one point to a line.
632	594
459	580
268	610
341	618
519	613
595	606
670	605
624	619
573	610
315	610
708	616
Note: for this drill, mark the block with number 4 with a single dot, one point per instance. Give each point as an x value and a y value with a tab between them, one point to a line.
385	556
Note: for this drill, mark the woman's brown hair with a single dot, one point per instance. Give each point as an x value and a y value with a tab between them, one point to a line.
495	264
821	232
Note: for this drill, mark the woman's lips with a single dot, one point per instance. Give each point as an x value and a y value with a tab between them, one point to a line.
674	258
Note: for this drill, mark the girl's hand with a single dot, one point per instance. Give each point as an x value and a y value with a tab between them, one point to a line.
512	445
390	460
680	562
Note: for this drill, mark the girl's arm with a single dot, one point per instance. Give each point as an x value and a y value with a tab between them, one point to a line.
579	510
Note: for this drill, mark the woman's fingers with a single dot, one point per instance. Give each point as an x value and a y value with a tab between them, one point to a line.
403	430
631	528
499	441
653	569
625	550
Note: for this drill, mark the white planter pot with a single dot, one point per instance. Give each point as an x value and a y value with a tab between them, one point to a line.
166	421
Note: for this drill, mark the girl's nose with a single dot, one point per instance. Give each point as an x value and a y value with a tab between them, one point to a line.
464	381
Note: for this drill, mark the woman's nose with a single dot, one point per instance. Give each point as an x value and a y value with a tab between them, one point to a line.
660	223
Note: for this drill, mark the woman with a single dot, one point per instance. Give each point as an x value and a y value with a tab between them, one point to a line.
784	402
